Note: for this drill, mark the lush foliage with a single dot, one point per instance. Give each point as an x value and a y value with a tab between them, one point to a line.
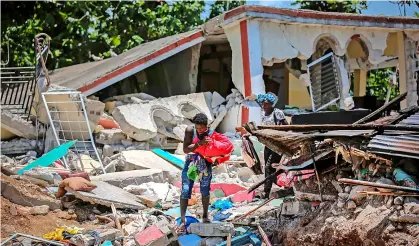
352	6
81	30
407	3
377	84
220	6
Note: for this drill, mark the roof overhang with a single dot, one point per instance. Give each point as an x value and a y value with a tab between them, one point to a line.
319	18
92	77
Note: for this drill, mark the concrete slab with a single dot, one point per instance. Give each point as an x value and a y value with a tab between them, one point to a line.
138	120
144	159
136	177
211	229
217	99
18	126
19	146
86	239
110	136
29	195
295	207
107	194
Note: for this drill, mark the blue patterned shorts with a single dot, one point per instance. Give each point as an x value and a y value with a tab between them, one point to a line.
187	184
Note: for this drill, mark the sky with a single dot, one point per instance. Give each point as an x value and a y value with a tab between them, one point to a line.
374	7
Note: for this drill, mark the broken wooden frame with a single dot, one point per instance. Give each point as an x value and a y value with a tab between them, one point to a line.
377	185
67	112
331	127
383	108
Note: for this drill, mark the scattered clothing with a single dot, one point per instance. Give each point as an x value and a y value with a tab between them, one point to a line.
222	204
187	183
287	179
219	216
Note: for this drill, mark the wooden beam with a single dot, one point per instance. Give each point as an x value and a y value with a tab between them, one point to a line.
383	108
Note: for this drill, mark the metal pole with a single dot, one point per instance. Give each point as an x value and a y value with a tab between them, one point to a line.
53	126
90	131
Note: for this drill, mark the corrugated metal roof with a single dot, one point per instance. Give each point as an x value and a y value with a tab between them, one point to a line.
403	145
411	120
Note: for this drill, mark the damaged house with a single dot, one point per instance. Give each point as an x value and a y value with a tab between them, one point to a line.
258	49
146	96
113	111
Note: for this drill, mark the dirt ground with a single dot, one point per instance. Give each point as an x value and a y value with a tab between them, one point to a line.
35	225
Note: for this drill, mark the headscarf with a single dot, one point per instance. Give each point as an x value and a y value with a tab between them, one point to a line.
270	97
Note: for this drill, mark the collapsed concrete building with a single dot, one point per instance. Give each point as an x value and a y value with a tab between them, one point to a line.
239	49
119	108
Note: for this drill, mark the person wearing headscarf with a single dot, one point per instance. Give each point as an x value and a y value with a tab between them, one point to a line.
270	116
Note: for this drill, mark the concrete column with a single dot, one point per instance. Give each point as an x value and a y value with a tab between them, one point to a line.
360	83
402	66
247	69
407	65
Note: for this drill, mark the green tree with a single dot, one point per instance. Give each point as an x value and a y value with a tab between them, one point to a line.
353	6
220	6
377	83
407	3
81	30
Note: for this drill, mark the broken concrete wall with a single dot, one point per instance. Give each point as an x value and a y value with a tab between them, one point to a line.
175	75
138	121
18	126
19	146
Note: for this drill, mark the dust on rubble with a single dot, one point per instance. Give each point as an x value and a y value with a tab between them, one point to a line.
24	188
36	225
365	226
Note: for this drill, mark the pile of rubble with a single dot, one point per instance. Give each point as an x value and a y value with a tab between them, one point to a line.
116	186
353	184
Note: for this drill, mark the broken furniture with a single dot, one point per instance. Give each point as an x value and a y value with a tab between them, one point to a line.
68	119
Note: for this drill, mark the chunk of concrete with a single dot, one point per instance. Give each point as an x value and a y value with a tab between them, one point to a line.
39	210
86	239
143	159
138	120
217	100
19	192
357	198
211	229
19	146
136	177
106	194
156	235
219	118
295	207
179	131
19	126
110	136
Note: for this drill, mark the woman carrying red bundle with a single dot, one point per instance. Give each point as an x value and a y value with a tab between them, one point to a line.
204	148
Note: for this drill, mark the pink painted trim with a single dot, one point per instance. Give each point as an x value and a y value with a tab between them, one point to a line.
319	15
141	61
